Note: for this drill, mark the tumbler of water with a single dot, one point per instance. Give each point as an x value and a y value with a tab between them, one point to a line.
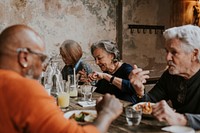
133	117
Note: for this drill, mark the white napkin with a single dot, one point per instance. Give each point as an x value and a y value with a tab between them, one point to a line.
87	103
178	129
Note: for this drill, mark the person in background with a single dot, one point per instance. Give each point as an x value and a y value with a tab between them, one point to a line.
25	106
71	53
180	83
114	78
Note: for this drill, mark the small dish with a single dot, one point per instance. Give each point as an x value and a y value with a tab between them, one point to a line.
89	117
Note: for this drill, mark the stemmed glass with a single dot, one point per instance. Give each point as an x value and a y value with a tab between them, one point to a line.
87	90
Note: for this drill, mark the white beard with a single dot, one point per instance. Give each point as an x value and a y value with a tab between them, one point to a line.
30	74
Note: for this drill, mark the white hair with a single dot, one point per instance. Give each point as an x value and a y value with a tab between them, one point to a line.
189	35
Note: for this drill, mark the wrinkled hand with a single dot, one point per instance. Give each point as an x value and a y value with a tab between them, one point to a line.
163	112
108	108
83	77
108	104
95	76
138	78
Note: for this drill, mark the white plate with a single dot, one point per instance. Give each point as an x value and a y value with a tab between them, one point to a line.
70	113
178	129
141	103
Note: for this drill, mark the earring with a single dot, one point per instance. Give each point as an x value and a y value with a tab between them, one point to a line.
25	65
114	60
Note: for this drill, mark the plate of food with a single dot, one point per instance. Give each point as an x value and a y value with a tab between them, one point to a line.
82	116
146	108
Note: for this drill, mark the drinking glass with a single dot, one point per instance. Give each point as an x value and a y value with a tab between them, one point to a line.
87	91
133	117
63	97
73	85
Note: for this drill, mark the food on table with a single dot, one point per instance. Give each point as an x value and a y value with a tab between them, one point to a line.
83	117
146	107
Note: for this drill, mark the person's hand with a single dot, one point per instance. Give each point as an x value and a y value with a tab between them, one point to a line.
108	108
83	77
95	76
138	78
163	112
110	105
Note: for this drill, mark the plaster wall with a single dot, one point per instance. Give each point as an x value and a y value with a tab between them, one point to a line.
145	49
85	21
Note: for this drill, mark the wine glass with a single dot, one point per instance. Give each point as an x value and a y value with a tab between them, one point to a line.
87	91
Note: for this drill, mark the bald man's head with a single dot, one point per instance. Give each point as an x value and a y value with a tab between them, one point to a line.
18	36
21	48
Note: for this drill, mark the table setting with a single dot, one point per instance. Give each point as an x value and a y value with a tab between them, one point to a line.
146	124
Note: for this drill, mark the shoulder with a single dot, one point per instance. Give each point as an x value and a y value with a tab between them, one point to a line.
64	69
15	78
167	78
85	66
126	67
16	84
27	85
83	63
167	75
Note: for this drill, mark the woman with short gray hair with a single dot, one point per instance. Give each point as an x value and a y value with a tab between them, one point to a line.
114	78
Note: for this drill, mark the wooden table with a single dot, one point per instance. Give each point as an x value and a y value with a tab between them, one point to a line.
147	125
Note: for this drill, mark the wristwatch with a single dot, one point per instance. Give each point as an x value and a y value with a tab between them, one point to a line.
111	79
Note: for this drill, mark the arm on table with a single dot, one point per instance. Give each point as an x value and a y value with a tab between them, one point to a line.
108	109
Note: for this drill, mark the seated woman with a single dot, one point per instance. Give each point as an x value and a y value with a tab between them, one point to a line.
114	79
71	53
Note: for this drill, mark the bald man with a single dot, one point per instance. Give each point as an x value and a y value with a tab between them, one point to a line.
24	104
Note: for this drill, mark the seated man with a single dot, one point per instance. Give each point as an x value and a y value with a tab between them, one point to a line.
24	104
180	83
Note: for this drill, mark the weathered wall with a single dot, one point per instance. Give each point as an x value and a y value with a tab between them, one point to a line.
85	21
145	50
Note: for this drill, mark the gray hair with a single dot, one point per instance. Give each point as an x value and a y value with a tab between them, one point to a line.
189	35
108	46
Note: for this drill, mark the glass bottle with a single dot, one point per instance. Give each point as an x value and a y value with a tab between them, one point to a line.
57	80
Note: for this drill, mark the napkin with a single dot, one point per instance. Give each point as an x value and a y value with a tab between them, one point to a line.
87	103
178	129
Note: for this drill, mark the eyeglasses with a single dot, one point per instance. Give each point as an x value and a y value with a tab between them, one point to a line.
42	56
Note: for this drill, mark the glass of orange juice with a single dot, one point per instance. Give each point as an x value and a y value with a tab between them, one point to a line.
63	97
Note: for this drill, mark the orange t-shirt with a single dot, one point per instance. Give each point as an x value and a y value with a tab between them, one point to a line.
25	107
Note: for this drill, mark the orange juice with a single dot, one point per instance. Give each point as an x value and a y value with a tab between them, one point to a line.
63	99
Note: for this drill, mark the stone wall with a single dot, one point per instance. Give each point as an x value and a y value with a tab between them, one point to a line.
87	21
84	21
145	49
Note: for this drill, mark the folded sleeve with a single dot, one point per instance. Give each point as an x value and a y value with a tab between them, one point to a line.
193	120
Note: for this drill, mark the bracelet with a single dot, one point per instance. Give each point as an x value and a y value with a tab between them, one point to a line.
111	79
140	96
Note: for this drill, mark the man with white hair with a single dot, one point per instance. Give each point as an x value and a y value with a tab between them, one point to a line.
180	83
